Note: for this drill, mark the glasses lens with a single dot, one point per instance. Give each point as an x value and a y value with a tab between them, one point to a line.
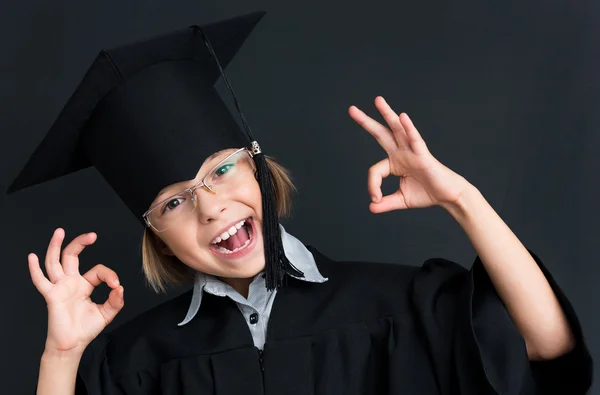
228	174
171	211
224	177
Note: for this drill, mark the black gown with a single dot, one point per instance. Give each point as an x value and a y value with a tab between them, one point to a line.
373	328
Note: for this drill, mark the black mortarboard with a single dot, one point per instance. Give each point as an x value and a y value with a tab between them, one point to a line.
147	114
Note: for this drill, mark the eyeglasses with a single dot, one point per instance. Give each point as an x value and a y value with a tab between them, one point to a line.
222	178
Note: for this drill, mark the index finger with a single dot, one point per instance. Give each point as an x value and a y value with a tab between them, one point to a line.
377	173
101	274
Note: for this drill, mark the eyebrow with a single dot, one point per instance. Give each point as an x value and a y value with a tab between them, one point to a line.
213	156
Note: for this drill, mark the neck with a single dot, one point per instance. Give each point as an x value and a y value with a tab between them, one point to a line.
241	285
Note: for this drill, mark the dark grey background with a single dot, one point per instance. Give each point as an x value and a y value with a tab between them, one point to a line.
504	93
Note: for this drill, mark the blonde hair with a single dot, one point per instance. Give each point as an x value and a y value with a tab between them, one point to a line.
162	270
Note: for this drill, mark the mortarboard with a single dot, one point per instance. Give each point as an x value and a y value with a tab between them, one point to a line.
146	115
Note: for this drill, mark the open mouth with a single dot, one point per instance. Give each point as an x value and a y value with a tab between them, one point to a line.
235	239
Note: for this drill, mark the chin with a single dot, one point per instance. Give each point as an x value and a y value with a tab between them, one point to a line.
247	272
246	267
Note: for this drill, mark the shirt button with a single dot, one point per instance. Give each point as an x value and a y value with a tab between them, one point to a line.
253	318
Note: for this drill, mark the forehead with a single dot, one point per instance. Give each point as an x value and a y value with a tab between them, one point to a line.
217	155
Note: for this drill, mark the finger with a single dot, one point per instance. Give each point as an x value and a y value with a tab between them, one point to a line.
414	137
393	120
383	135
391	202
53	266
113	304
70	255
101	274
42	284
377	173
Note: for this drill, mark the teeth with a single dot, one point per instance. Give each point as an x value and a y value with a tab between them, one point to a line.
229	232
226	251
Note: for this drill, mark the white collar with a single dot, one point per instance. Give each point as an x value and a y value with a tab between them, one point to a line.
295	251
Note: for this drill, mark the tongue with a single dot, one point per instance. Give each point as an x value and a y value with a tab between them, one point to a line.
235	241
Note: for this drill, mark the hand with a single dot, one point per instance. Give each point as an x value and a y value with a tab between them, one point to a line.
425	181
73	319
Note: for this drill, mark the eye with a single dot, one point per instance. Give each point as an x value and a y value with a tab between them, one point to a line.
223	169
172	204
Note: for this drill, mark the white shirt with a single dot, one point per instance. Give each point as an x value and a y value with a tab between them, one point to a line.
257	307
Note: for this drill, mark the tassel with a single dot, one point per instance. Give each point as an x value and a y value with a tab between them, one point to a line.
277	265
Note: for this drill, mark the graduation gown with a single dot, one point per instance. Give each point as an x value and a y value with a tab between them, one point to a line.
373	328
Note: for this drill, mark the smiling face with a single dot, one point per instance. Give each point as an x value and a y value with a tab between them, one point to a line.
223	235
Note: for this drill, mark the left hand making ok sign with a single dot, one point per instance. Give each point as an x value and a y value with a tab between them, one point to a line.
424	180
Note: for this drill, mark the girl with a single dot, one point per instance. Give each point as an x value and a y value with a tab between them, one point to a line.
267	314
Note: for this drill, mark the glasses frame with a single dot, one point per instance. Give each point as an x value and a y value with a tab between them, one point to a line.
192	189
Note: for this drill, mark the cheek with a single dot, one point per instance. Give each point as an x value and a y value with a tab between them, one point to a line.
184	246
250	195
183	241
178	241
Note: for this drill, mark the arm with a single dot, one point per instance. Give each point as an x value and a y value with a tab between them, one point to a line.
74	320
520	283
58	372
426	182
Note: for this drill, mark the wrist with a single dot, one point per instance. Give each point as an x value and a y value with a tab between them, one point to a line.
61	356
467	200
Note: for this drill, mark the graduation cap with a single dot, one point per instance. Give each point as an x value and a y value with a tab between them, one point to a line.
145	113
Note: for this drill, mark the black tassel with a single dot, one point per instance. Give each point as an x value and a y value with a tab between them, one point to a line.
277	265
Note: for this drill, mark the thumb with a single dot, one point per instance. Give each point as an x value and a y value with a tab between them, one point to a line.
113	304
390	202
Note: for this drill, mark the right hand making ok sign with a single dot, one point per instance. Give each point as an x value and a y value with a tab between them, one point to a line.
73	319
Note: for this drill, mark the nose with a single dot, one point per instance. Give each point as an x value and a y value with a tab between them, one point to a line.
209	205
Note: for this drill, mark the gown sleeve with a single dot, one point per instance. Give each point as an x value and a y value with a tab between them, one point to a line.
94	375
474	346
